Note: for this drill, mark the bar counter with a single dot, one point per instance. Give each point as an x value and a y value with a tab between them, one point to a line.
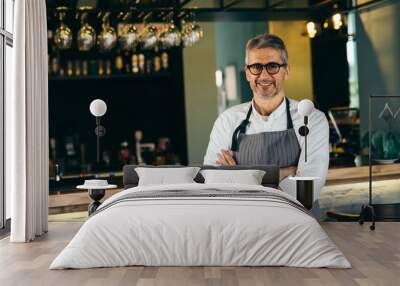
337	175
71	199
348	175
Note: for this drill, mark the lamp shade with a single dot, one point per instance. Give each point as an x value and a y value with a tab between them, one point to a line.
305	107
98	107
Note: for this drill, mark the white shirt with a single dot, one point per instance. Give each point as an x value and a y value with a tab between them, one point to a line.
317	140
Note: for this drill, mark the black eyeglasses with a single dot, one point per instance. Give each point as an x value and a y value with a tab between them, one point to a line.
271	68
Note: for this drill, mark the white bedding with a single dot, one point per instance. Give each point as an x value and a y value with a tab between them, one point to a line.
185	231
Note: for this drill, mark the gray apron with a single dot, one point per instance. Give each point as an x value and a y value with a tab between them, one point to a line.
266	148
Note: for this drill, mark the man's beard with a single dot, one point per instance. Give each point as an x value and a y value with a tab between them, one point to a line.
271	93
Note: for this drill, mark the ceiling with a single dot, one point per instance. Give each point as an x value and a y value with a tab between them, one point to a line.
224	10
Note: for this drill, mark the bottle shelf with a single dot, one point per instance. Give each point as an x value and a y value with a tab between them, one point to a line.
113	76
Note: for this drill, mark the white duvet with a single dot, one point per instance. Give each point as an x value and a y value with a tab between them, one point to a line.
200	231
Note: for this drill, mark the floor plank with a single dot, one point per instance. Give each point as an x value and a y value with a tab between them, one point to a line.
375	257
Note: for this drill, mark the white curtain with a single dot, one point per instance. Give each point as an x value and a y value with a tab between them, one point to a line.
27	123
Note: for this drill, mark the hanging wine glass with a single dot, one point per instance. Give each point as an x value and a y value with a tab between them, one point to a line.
129	38
171	37
107	38
197	31
148	37
186	34
128	35
63	34
86	35
192	33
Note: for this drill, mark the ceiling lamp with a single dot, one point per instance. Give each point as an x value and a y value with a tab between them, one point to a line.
337	21
311	29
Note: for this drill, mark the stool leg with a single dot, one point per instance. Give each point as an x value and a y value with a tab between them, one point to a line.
372	226
93	207
362	215
96	196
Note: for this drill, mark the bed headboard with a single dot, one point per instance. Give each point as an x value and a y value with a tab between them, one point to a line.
270	179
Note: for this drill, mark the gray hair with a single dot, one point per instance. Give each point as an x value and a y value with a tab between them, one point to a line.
267	41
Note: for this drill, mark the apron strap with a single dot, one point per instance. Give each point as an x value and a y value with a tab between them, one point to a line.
288	115
240	129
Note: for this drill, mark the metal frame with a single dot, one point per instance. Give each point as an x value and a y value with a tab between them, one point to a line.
228	11
370	210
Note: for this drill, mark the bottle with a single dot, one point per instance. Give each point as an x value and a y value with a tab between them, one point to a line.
52	156
70	71
58	173
100	70
157	63
164	60
160	157
119	64
61	72
85	68
124	154
108	67
77	68
138	147
54	66
135	63
141	63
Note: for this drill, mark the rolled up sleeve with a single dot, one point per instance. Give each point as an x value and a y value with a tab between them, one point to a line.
220	138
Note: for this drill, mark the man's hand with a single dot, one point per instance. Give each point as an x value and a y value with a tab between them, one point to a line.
225	158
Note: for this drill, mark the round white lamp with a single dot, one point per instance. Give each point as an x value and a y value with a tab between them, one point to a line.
305	108
98	108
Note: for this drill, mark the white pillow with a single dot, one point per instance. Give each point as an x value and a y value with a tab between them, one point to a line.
163	176
248	177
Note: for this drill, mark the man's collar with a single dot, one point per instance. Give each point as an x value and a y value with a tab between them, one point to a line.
276	113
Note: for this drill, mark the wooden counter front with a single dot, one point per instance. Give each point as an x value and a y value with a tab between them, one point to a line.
360	174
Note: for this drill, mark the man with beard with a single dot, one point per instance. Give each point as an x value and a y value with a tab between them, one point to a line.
265	131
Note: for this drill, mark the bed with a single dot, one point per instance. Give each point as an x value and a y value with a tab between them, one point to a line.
201	224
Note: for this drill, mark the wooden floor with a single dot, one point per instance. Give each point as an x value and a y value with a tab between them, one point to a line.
375	257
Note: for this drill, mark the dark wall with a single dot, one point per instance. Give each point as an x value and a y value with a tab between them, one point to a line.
330	70
153	104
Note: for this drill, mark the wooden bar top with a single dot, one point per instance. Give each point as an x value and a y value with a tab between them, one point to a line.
360	174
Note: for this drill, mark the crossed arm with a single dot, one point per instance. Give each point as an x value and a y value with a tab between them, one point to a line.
225	158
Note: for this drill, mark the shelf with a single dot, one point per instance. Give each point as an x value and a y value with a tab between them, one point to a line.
114	76
90	175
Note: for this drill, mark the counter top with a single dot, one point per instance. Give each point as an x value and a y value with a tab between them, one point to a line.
361	174
335	175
